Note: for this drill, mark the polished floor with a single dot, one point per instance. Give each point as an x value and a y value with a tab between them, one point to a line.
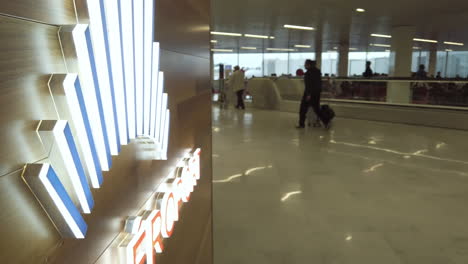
362	193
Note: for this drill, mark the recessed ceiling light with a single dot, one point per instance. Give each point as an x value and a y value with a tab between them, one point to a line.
353	49
360	10
425	40
221	50
335	48
298	27
255	36
249	48
271	37
381	36
448	50
302	46
453	43
226	34
277	49
214	41
380	45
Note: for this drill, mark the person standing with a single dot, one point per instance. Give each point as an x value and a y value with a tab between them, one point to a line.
368	73
237	85
313	89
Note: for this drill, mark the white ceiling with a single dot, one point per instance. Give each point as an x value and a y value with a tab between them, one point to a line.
338	20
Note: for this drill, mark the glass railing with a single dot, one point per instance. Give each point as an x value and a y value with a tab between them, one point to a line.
405	91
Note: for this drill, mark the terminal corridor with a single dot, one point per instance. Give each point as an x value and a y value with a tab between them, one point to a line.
361	193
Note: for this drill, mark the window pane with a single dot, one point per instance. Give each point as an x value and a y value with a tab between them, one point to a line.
329	62
296	61
252	63
276	63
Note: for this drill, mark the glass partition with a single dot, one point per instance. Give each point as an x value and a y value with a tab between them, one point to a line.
428	92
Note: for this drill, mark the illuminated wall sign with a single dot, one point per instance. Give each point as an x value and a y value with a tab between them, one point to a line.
116	95
56	134
143	234
46	186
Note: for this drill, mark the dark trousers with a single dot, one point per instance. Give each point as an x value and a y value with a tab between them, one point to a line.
240	99
314	102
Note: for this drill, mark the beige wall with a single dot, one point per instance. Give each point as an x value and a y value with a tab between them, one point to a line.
29	52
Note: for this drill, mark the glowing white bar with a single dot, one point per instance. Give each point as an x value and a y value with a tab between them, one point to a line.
159	109
88	80
115	49
138	26
99	37
46	186
126	11
68	158
165	143
425	40
163	118
148	57
154	88
80	119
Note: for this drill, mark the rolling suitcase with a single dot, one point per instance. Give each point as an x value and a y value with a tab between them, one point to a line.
326	115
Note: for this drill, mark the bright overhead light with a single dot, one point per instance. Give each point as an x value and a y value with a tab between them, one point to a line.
425	40
165	138
214	41
381	36
380	45
448	50
353	49
417	48
302	46
255	36
335	48
298	27
221	50
453	43
226	34
276	49
249	48
271	37
360	10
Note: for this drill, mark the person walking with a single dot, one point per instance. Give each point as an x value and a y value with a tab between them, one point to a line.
237	85
311	97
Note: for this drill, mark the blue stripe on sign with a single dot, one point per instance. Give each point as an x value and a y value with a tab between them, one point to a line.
84	114
98	94
79	166
123	68
109	69
62	193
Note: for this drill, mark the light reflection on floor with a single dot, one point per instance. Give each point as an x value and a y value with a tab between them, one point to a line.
362	193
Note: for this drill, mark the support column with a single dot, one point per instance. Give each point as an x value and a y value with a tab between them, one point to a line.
318	47
343	55
432	71
400	64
